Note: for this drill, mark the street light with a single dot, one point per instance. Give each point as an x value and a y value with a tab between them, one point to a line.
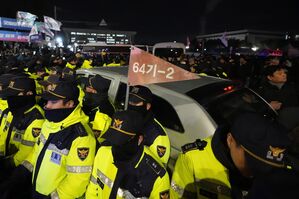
254	48
59	41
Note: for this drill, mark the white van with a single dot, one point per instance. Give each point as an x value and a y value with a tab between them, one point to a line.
169	49
190	109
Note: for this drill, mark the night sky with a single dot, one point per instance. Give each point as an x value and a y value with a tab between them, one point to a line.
163	20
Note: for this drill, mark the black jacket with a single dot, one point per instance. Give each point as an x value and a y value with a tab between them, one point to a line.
286	95
280	183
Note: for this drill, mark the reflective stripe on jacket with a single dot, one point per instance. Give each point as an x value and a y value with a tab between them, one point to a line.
63	158
152	179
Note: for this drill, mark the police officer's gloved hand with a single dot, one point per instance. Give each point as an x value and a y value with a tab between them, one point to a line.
6	167
36	195
7	164
20	179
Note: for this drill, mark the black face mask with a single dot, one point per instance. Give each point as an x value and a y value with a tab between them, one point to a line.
20	103
140	109
57	115
92	100
126	151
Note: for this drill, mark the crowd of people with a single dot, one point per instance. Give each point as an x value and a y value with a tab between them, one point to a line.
61	137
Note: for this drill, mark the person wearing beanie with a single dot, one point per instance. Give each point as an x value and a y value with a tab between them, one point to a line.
235	161
124	167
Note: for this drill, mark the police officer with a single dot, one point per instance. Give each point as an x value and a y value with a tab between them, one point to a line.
96	96
21	131
70	75
4	82
51	81
72	62
62	160
5	114
124	168
155	136
226	164
96	103
87	63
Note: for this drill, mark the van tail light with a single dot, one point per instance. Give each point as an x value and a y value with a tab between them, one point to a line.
228	88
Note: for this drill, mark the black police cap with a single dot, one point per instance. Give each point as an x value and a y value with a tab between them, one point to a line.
140	93
62	90
262	138
18	85
125	125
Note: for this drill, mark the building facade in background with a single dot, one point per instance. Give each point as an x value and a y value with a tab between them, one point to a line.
243	41
72	32
83	36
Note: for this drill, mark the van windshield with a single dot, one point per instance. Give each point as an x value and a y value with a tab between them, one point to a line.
225	101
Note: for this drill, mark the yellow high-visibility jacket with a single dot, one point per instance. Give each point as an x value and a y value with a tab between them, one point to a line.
19	135
3	105
156	138
62	159
70	65
81	95
5	120
113	64
151	179
198	174
100	125
86	64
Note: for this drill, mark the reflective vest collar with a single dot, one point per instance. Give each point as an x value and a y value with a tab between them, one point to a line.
74	117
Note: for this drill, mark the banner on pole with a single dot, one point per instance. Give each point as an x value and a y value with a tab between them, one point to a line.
25	18
52	24
145	68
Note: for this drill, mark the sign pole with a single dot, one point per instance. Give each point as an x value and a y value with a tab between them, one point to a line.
127	96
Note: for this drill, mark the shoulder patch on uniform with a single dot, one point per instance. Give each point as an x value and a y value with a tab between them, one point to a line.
198	144
36	132
161	150
79	129
82	153
96	133
154	165
164	194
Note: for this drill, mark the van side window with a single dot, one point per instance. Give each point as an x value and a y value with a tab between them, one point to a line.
162	109
120	99
166	114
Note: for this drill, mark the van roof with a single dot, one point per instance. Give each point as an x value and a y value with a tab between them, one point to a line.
169	45
179	86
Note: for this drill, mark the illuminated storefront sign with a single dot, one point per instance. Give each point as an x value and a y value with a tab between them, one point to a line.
13	36
91	37
11	23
